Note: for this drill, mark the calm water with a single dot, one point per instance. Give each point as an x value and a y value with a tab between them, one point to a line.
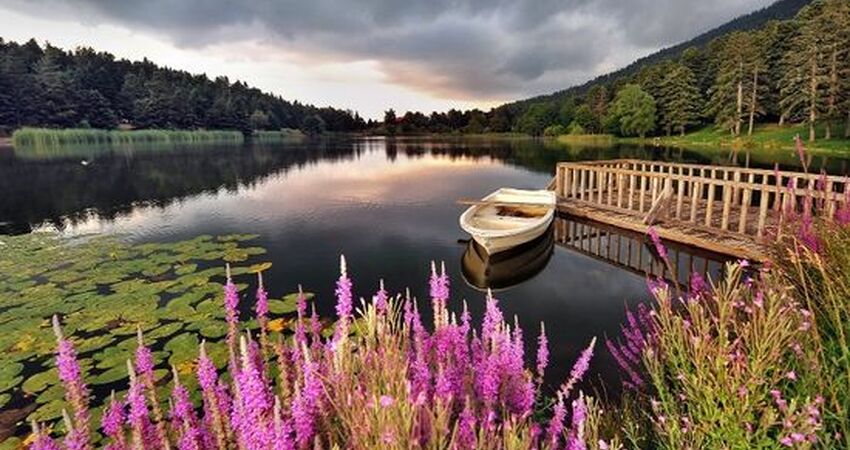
387	205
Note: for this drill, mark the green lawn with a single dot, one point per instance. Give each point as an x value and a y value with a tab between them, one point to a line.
767	136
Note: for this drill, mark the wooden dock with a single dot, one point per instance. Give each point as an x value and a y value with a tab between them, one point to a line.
726	210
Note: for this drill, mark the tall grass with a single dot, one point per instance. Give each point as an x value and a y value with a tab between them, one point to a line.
35	138
277	136
817	264
382	380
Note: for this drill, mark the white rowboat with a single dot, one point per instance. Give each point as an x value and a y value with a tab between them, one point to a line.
509	217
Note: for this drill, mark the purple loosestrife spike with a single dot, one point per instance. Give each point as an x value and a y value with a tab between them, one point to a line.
76	391
254	402
542	353
73	439
282	430
579	368
305	404
231	305
576	437
262	306
344	303
42	440
137	415
493	318
112	423
144	367
381	298
465	439
556	425
659	246
214	414
144	357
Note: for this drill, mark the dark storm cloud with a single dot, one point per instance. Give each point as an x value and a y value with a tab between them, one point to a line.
452	48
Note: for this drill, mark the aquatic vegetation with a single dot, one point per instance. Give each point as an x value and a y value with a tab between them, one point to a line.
169	291
381	380
46	138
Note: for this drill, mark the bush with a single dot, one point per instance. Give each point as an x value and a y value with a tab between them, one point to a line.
554	130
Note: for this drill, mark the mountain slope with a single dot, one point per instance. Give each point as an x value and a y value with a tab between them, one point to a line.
781	10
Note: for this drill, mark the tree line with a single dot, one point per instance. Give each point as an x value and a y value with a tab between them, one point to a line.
50	87
794	70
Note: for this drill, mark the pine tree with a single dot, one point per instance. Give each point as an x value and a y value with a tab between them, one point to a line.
732	80
679	99
804	85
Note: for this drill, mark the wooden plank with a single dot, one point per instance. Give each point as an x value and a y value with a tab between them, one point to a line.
643	180
581	184
745	205
764	203
680	194
709	205
728	192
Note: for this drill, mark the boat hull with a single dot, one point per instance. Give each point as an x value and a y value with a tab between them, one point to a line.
496	234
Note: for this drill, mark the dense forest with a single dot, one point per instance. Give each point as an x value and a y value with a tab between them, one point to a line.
784	71
51	87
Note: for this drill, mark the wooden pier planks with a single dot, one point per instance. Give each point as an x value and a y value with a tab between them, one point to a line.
722	209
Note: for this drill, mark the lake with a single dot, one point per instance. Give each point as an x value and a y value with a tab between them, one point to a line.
388	205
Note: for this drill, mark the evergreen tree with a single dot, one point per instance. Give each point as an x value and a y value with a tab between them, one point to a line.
679	100
732	81
804	86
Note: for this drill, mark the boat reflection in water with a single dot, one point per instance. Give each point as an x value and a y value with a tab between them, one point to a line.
508	268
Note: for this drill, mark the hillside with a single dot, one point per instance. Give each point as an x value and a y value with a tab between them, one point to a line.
781	10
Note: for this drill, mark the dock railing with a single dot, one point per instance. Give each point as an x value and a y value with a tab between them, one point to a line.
727	199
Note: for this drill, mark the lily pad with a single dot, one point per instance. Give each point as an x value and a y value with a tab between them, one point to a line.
41	381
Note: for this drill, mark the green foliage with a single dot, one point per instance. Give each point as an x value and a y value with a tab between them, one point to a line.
679	100
537	118
50	87
40	138
162	288
313	125
635	110
554	130
733	367
575	128
822	281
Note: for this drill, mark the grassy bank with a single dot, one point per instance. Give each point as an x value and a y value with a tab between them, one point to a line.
48	137
285	134
766	136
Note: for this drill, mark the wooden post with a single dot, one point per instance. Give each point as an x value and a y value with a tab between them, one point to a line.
620	190
610	178
642	192
631	190
696	197
680	192
709	206
745	204
727	204
581	184
573	182
764	200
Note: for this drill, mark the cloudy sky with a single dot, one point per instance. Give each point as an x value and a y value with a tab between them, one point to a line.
370	55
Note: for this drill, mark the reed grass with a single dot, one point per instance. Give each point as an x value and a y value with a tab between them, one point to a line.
35	138
285	134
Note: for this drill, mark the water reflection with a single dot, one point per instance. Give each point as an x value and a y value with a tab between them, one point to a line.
72	185
508	268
